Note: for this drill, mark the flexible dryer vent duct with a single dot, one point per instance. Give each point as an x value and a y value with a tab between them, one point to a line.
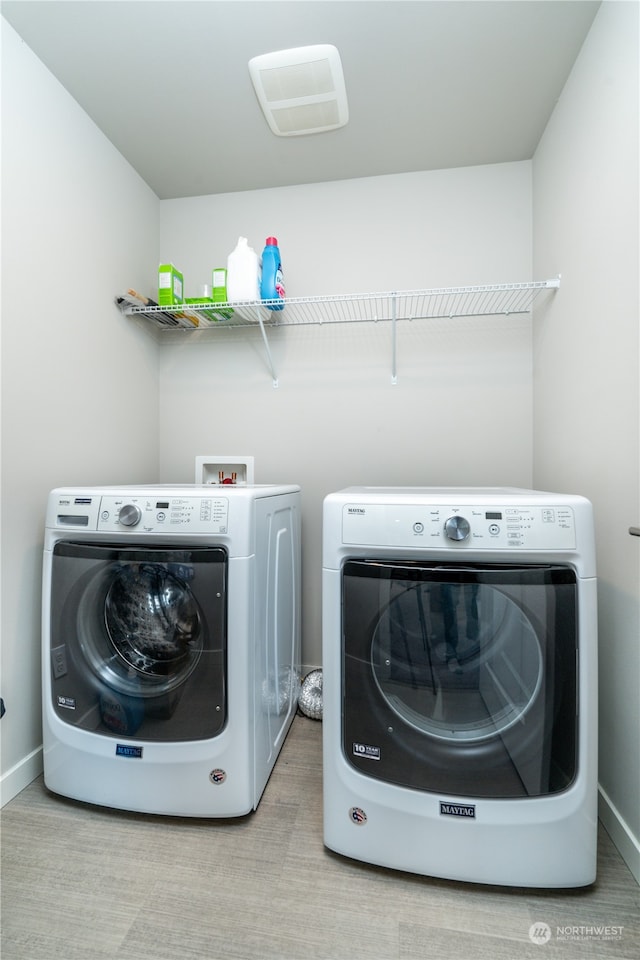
310	699
301	90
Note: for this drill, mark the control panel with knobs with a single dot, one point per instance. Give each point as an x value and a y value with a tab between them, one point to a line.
457	528
505	520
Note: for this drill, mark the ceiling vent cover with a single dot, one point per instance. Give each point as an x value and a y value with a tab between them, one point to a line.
301	90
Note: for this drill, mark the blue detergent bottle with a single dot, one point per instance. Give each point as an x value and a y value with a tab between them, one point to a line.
272	283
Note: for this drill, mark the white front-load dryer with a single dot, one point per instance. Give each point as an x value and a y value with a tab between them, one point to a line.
171	644
460	683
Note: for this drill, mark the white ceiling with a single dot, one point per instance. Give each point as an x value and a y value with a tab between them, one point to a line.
431	83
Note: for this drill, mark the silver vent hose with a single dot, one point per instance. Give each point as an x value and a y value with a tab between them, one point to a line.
310	699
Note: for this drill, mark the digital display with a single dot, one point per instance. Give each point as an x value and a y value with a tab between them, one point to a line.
493	516
162	505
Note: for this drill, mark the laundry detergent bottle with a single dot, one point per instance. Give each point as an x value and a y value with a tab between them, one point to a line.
243	273
272	283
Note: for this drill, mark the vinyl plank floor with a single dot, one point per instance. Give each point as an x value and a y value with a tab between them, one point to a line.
81	882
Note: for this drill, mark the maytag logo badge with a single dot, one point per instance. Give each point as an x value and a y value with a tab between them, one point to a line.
359	511
465	810
127	750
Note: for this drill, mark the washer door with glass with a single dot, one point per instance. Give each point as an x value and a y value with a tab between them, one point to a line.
138	640
461	680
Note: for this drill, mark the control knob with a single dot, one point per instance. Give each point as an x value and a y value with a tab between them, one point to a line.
129	515
457	528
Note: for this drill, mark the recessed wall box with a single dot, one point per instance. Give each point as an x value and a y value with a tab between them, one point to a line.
218	469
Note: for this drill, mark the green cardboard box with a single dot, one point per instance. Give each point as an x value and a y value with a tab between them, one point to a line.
213	315
219	285
170	285
219	290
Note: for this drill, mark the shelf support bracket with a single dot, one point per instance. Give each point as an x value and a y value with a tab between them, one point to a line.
394	312
274	375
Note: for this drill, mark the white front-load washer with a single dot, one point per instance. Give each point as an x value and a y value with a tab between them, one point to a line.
460	683
171	644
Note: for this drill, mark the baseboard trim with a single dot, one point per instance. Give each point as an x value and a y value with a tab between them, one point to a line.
617	828
20	776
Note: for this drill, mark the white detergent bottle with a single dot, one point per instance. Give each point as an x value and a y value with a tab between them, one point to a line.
243	273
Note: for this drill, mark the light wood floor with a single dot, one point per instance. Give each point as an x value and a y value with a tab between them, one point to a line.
86	883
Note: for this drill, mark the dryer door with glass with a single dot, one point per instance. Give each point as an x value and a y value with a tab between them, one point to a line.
460	679
138	640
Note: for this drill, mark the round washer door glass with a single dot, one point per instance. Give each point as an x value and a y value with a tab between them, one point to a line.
138	639
460	662
460	679
153	621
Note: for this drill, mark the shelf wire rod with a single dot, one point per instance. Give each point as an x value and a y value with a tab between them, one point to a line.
310	315
394	375
480	302
335	311
515	301
463	303
260	320
438	307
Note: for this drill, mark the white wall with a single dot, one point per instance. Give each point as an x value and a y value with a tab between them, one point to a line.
587	370
79	381
461	410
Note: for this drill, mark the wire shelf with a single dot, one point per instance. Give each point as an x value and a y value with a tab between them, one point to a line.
489	300
443	302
